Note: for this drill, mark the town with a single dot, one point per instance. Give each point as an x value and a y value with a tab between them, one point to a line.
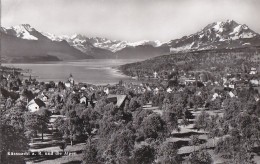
170	115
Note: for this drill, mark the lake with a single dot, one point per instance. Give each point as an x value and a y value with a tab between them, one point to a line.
92	71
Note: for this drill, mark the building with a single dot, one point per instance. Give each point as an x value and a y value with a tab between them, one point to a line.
35	104
253	71
118	100
155	74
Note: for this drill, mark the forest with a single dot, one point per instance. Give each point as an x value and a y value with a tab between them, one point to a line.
216	61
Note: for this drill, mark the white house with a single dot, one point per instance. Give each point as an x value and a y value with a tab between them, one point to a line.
67	85
231	94
254	81
106	90
155	74
231	86
83	88
253	71
169	90
83	100
215	95
35	104
44	98
148	88
156	90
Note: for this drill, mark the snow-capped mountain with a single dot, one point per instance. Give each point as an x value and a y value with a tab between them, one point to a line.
23	43
21	31
83	42
30	42
227	34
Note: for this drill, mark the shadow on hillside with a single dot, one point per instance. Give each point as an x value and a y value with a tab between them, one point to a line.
37	159
39	140
181	143
41	158
256	150
73	162
45	145
185	135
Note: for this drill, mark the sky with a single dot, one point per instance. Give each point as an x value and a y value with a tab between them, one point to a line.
130	20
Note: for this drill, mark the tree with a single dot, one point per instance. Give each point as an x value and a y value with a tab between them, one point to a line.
213	127
13	139
133	104
61	125
215	104
171	120
139	116
63	145
232	109
89	119
202	121
74	128
168	153
200	157
120	145
144	155
194	141
90	154
153	127
233	149
43	118
32	123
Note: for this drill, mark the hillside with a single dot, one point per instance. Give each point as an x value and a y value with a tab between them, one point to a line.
221	60
142	52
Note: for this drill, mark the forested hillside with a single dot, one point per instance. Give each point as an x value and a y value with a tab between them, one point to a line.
222	60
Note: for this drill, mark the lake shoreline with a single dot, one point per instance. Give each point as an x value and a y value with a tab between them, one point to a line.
91	71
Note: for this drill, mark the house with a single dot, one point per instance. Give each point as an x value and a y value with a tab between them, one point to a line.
169	90
71	80
253	71
156	90
189	81
35	104
231	94
83	88
203	77
155	74
215	95
44	97
254	82
51	89
148	88
117	99
231	85
67	85
106	90
83	100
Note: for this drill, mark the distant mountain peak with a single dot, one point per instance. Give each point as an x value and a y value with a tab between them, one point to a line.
222	34
22	31
28	27
78	36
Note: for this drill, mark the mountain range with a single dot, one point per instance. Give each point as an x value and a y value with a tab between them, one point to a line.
23	43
